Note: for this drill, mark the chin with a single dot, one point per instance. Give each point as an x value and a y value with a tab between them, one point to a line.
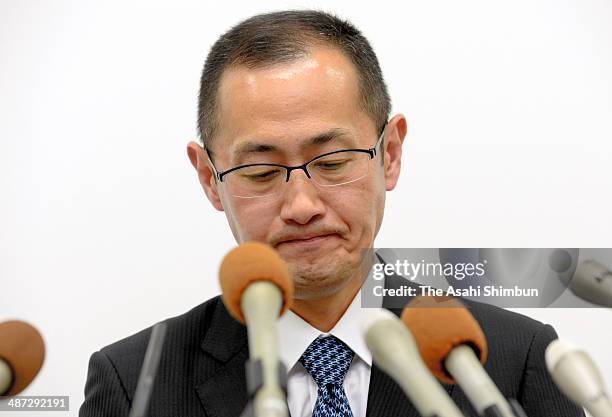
320	280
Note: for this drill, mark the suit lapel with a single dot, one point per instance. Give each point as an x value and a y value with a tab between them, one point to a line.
224	394
385	398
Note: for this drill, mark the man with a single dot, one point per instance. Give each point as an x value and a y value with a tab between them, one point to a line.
298	150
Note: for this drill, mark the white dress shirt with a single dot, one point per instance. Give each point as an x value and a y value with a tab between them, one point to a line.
295	335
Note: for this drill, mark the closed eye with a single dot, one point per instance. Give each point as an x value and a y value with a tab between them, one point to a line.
262	175
332	165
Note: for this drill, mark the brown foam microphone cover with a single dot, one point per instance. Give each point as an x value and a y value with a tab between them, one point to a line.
440	324
249	262
23	348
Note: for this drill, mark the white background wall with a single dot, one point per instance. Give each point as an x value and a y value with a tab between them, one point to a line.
104	229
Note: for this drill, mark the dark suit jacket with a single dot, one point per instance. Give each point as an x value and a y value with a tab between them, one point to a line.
202	372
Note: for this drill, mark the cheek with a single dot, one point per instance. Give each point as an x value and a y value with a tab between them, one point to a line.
359	207
250	219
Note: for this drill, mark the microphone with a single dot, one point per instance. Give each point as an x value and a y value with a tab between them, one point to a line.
144	388
593	283
576	375
22	352
454	348
395	352
257	289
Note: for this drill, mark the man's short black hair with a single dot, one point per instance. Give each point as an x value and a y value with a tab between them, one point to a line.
272	38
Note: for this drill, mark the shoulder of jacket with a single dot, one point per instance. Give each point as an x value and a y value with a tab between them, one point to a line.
134	346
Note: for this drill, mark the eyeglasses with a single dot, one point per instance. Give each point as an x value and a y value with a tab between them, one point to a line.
327	170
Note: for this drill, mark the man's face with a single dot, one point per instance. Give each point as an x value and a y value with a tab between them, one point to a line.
275	113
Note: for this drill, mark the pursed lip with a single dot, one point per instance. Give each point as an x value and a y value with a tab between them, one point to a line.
302	238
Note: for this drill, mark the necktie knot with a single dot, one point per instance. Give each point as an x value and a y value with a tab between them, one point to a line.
327	360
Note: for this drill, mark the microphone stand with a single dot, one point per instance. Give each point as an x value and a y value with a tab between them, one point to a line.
255	381
517	410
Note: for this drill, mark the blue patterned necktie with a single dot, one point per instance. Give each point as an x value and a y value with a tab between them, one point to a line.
327	360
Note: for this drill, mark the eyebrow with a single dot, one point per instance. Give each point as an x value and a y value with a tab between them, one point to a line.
251	147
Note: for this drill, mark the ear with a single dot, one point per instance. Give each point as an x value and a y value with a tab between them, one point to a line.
394	138
199	160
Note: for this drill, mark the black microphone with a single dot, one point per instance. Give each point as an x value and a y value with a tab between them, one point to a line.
144	388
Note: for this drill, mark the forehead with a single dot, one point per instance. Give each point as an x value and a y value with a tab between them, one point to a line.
290	101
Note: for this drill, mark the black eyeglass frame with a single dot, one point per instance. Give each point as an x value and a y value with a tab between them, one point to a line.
371	152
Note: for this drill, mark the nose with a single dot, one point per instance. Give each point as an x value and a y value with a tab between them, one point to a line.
301	202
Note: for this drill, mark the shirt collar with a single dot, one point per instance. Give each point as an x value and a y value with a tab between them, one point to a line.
295	334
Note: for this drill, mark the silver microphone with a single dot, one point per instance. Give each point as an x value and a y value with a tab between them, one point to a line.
592	282
22	353
257	288
395	352
577	376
